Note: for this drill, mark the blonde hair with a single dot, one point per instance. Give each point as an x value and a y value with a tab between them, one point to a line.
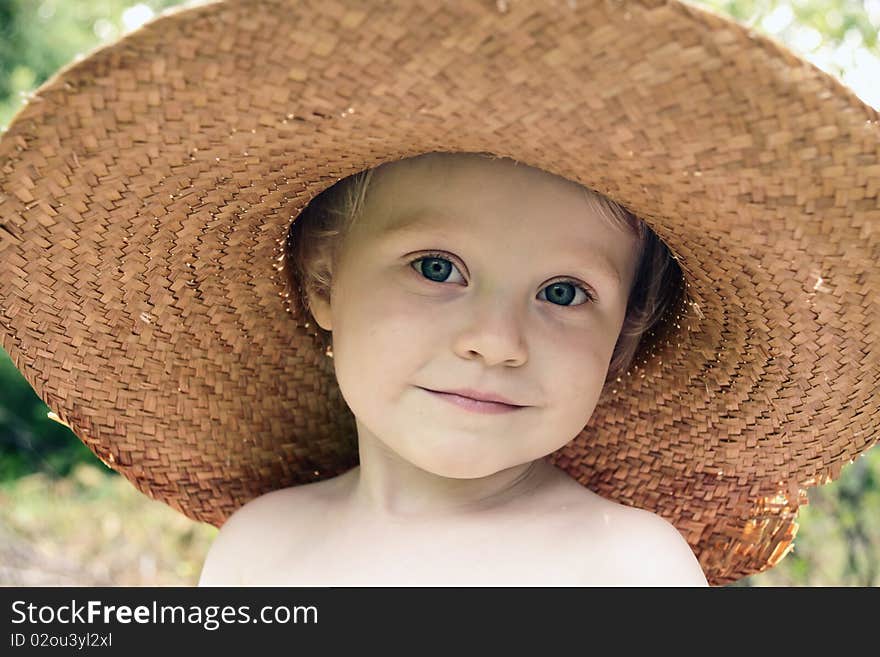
315	238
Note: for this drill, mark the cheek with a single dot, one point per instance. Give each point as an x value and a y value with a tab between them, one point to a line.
580	364
389	322
398	313
380	339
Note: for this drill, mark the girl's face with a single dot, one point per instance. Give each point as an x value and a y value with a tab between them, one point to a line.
468	272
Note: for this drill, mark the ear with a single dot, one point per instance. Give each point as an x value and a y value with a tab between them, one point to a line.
319	305
318	297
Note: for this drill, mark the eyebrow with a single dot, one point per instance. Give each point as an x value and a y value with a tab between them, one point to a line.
426	221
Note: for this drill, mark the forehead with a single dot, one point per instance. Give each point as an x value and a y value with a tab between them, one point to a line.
497	201
462	181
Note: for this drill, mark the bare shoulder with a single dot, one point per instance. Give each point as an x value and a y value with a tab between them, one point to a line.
254	523
650	551
640	548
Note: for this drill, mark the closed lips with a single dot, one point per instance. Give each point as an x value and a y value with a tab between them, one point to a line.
476	395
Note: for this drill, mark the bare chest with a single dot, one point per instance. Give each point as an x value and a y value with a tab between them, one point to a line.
554	551
389	563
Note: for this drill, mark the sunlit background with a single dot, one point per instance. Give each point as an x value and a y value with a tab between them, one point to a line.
67	519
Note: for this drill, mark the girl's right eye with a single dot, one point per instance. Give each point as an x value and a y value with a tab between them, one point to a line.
436	268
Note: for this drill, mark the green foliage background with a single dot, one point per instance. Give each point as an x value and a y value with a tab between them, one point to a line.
839	539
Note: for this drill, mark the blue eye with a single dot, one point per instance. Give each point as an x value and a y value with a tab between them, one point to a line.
562	293
437	268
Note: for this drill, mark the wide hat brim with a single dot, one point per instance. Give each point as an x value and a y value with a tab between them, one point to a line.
147	191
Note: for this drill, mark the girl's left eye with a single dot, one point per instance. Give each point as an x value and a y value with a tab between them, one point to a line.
562	293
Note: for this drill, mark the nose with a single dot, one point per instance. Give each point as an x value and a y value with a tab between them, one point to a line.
493	332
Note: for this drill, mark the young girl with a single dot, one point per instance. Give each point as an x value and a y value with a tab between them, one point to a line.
445	288
473	293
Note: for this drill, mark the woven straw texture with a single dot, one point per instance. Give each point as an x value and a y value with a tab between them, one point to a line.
147	191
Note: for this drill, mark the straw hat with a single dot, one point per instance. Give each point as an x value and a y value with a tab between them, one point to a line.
147	191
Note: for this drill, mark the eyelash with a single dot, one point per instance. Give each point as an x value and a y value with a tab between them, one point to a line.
591	298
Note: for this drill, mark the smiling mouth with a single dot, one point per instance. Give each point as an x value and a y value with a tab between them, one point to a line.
474	405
